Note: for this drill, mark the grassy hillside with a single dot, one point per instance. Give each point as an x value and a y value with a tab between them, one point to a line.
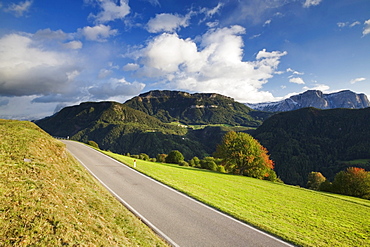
48	199
304	217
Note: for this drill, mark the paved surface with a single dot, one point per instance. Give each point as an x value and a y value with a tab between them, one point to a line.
179	219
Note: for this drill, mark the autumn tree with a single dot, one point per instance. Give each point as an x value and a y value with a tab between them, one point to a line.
353	182
244	155
315	179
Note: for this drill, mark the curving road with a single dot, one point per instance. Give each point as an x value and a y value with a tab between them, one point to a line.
180	220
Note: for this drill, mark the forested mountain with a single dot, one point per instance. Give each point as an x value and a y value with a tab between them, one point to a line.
317	99
310	139
121	129
198	108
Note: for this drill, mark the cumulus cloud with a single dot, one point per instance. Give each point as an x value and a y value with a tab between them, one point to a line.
116	87
309	3
366	30
97	33
19	9
353	81
28	68
110	10
167	23
213	65
297	80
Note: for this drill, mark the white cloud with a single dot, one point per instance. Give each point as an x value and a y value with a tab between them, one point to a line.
268	22
320	87
347	24
116	87
19	9
74	45
97	33
366	30
294	71
167	23
354	24
131	67
309	3
213	66
297	80
353	81
110	10
28	68
50	34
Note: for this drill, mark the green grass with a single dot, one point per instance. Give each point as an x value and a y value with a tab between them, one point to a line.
357	162
48	199
303	217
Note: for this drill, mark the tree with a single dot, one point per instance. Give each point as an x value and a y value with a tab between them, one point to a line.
243	154
161	158
194	162
315	179
174	157
208	163
353	182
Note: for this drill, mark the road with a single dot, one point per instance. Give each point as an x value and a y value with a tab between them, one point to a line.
179	219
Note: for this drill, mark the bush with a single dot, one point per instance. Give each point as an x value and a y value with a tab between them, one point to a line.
194	162
144	156
183	163
161	158
208	163
174	157
93	144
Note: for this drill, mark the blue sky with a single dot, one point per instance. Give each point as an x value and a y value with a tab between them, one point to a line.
63	52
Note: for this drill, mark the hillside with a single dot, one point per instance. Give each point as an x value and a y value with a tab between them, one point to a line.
48	199
121	129
317	99
310	139
198	108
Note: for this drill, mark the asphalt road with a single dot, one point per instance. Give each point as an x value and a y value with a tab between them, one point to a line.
180	220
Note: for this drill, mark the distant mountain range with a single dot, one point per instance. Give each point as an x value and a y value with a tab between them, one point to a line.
317	99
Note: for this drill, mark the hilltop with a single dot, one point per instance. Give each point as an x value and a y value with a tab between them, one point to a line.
198	108
48	199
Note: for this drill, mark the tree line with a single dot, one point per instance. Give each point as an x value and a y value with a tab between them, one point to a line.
353	181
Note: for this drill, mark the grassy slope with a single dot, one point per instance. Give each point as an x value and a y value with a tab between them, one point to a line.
302	216
48	199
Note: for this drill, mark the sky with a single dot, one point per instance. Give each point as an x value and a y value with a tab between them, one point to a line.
59	53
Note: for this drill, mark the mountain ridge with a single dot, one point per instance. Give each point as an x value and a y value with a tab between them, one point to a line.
317	99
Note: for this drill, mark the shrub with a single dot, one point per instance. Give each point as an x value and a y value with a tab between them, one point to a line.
161	158
174	157
315	179
144	156
93	144
194	162
208	163
183	163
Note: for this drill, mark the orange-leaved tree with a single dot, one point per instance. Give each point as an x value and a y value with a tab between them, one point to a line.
244	155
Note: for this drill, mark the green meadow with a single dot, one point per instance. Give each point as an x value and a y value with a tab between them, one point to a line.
300	216
48	199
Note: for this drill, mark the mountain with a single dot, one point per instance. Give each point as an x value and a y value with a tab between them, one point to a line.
311	139
317	99
121	129
198	108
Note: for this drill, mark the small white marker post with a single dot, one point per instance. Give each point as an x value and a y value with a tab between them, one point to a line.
134	163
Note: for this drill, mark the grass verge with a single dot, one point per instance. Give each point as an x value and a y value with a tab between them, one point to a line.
303	217
48	199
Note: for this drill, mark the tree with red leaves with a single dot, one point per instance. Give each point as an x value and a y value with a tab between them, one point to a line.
353	182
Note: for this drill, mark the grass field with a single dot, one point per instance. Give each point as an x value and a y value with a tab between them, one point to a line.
48	199
303	217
